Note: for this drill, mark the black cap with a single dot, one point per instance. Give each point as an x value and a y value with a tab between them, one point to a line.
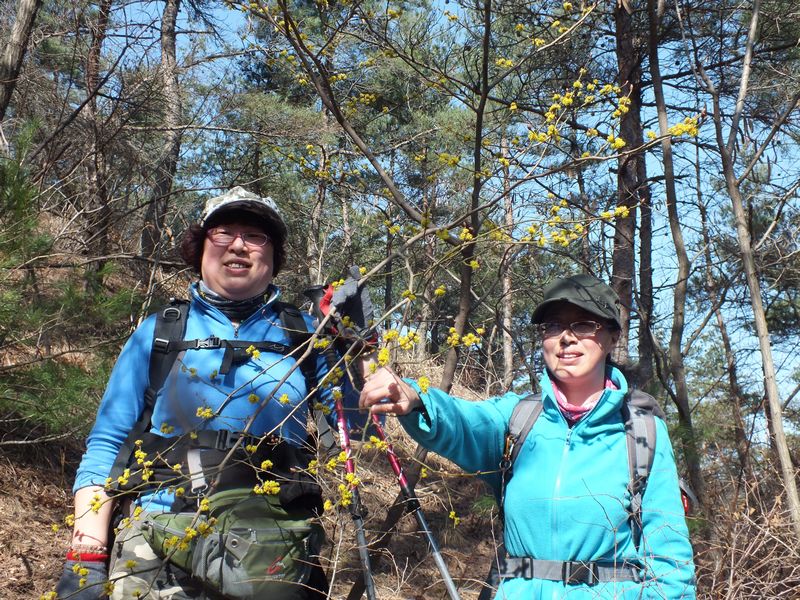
584	291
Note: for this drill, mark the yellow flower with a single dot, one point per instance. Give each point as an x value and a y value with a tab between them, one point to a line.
345	495
130	564
204	412
424	383
328	505
689	127
456	519
204	528
270	488
621	212
204	505
108	588
284	399
383	356
470	339
423	474
409	295
252	398
167	428
69	520
512	107
453	339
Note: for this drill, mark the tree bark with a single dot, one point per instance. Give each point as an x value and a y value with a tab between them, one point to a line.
507	302
167	164
629	184
726	150
677	364
734	389
98	210
11	62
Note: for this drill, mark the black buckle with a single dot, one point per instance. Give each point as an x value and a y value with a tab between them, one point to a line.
212	342
227	439
573	572
161	345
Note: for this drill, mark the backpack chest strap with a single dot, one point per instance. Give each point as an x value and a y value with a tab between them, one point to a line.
236	351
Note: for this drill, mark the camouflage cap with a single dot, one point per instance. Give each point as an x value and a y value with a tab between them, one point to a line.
239	198
584	291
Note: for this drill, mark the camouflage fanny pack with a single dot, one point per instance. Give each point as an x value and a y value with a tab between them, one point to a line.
248	545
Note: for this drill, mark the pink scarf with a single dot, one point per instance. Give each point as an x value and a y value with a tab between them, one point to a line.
575	412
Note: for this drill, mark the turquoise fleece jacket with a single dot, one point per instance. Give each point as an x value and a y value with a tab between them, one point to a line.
195	383
568	496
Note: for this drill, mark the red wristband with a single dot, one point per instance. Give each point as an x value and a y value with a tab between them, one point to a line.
86	556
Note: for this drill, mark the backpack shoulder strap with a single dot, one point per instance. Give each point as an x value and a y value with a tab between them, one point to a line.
523	417
296	328
170	326
638	414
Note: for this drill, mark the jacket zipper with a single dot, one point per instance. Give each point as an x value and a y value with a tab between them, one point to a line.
557	490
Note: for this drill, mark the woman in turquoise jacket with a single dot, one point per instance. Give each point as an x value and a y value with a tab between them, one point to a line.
568	499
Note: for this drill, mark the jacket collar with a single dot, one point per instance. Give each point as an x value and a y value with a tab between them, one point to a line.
609	404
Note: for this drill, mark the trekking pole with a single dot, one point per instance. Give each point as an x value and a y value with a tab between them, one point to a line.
356	508
412	502
414	506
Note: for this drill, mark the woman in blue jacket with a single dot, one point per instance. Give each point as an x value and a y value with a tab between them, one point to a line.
237	248
568	499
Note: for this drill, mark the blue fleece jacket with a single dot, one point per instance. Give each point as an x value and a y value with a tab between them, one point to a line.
251	388
568	496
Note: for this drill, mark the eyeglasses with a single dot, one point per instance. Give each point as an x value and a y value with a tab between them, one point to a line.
580	329
223	237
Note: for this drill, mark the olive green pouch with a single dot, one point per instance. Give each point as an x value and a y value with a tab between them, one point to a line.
247	546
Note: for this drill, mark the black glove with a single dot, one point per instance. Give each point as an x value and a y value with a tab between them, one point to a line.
352	300
93	589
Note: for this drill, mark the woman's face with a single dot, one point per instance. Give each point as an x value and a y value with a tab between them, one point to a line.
237	270
574	360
